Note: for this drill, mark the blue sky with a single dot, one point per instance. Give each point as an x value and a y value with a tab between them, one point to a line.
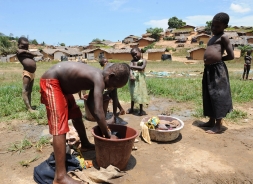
78	22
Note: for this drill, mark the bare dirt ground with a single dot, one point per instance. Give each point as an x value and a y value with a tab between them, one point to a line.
195	157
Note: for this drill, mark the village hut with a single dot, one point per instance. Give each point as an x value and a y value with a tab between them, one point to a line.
132	45
121	54
182	38
155	54
48	53
187	27
130	39
143	42
231	34
248	38
204	38
71	53
168	32
178	32
238	42
12	58
196	53
146	35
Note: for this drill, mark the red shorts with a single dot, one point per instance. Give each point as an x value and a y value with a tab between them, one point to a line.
60	107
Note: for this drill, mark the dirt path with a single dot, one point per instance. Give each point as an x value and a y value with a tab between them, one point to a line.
195	157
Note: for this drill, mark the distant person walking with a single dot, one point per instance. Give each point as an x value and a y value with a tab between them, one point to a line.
247	64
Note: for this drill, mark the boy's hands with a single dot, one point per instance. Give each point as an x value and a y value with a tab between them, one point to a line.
28	54
114	137
19	51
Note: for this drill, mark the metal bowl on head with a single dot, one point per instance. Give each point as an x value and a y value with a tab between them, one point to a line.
165	135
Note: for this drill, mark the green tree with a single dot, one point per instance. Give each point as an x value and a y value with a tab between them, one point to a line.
208	26
155	32
43	43
244	49
11	37
150	46
174	22
5	42
34	42
7	47
62	44
96	40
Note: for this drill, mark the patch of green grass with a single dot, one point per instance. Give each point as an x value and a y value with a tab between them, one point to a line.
43	141
179	89
20	146
183	88
26	163
235	115
181	52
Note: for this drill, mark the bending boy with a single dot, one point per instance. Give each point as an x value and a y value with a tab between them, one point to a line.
217	101
29	67
57	86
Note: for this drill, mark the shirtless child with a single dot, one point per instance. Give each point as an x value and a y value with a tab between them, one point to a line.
29	67
57	86
116	104
247	64
217	101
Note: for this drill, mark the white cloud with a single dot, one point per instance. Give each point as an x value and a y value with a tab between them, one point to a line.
239	8
116	4
241	21
198	20
163	23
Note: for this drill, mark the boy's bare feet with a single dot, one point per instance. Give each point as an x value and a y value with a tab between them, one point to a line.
216	129
122	112
129	111
33	107
66	180
207	124
32	111
141	113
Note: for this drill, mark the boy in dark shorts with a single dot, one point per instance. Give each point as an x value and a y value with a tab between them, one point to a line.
217	101
57	86
29	67
247	64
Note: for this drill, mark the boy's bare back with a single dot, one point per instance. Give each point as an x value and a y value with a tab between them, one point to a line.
75	76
